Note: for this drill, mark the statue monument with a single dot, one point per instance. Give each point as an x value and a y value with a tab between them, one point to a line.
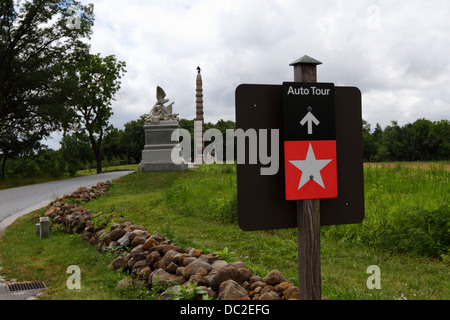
159	126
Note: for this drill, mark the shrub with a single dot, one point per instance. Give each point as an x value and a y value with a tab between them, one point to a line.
420	232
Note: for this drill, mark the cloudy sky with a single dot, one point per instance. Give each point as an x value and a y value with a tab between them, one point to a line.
395	52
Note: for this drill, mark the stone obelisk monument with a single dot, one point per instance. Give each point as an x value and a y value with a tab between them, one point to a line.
199	144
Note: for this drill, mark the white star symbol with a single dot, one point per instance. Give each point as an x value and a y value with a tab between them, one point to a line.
310	168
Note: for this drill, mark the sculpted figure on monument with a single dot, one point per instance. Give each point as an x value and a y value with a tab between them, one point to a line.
160	112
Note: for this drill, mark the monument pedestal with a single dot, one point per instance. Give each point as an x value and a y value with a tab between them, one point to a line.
158	148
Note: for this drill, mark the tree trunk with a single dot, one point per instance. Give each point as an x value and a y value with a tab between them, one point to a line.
96	149
98	158
3	175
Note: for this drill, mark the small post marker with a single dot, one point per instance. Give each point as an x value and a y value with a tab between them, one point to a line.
44	226
308	213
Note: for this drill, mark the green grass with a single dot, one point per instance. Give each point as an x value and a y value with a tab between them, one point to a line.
407	210
32	259
20	182
50	260
88	172
195	208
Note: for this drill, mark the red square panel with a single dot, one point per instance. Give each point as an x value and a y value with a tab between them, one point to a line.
310	169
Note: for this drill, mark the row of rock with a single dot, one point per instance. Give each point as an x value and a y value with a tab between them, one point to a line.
153	259
86	194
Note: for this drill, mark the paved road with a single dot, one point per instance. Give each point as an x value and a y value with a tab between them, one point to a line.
19	201
18	295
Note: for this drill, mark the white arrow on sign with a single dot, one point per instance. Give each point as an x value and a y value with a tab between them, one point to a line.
309	118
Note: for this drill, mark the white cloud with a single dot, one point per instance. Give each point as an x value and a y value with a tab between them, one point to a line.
395	52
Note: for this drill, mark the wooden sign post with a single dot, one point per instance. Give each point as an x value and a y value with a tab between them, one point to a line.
321	142
308	213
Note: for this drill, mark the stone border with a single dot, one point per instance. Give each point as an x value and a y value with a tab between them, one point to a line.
153	258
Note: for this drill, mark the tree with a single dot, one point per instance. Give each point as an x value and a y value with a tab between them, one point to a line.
392	147
50	162
112	144
377	133
76	151
189	126
37	41
98	82
134	138
13	148
221	125
417	139
440	135
369	144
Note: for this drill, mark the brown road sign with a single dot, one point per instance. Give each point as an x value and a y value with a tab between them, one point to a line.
262	204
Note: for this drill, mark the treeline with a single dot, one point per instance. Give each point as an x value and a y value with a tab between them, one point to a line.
119	147
221	125
422	140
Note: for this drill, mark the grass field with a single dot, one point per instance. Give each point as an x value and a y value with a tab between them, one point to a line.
19	182
405	233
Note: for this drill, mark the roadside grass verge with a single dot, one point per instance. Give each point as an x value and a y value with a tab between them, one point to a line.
28	258
194	208
20	182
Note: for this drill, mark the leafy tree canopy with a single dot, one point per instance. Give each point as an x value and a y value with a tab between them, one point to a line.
98	81
38	38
